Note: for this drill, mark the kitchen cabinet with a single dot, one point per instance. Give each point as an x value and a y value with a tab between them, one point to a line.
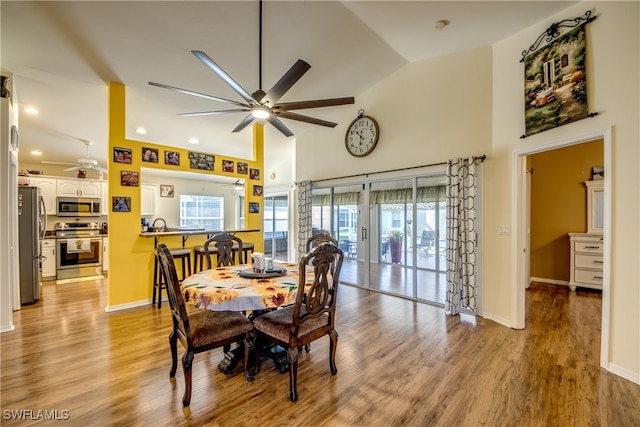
104	198
48	265
105	254
78	188
48	191
148	199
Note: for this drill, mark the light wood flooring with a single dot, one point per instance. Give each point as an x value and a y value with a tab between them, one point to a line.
399	363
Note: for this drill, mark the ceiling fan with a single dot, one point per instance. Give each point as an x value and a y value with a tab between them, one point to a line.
260	104
82	163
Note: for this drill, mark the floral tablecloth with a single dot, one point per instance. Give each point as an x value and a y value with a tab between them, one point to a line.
223	288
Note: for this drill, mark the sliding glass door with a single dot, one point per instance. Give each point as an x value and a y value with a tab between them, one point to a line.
390	231
392	234
276	227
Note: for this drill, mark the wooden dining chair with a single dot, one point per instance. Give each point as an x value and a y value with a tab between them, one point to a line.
320	238
311	317
200	330
224	243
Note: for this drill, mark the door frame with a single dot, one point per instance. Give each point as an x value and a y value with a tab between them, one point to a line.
520	214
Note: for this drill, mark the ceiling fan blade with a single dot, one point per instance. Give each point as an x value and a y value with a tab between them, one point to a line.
210	113
244	123
300	105
224	76
286	82
201	95
306	119
279	125
56	163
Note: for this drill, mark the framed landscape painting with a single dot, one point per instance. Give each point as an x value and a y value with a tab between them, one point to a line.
555	83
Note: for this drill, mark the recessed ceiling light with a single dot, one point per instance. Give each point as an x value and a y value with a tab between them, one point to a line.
141	131
36	153
31	110
193	141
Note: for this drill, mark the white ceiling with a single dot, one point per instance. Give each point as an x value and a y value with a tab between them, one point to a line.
63	53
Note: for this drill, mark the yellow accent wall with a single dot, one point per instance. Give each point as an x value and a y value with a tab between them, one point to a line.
130	255
559	204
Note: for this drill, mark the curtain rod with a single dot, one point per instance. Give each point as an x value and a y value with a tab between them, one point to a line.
366	175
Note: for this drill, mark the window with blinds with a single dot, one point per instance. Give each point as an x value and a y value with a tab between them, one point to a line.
202	212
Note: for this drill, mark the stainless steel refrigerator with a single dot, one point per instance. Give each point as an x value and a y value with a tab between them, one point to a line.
32	224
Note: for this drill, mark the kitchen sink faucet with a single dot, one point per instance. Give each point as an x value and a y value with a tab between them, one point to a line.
164	227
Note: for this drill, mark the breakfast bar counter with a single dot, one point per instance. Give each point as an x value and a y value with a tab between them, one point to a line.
186	232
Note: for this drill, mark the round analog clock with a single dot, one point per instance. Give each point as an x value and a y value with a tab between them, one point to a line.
362	135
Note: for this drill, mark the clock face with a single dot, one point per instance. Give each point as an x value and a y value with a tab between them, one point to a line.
362	136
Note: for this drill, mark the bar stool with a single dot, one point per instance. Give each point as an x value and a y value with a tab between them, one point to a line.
246	247
198	254
182	254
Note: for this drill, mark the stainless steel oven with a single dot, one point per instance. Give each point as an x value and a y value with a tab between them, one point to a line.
78	250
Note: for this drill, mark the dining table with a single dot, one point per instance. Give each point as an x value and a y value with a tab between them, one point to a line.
240	288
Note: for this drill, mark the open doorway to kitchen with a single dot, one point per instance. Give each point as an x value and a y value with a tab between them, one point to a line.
526	251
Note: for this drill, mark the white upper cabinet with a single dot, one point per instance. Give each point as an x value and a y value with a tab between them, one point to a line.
78	188
104	198
148	199
48	192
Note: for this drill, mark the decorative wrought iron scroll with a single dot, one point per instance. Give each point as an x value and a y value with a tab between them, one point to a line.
553	32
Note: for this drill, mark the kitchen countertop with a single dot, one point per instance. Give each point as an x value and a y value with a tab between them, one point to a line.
191	232
185	233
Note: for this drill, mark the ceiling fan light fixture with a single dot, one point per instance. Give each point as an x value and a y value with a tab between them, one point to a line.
260	112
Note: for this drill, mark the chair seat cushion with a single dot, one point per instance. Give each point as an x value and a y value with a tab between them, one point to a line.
180	252
208	326
277	323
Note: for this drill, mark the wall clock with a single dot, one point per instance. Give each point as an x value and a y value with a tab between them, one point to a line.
362	135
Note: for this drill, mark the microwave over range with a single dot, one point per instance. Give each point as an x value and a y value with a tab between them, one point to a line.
78	206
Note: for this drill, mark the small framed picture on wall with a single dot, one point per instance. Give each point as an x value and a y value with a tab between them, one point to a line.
122	155
227	166
254	207
121	204
172	158
166	190
129	178
149	155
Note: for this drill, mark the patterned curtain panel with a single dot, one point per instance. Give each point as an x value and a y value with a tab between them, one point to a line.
462	236
304	215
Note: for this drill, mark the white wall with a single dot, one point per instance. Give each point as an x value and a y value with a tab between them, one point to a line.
8	218
428	112
471	103
613	89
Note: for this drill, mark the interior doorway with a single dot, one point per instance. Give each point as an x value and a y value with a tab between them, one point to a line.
521	241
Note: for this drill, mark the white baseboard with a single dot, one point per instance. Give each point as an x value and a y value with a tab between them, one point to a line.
624	373
550	281
497	319
7	328
135	304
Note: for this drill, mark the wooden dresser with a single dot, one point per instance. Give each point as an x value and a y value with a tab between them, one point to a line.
587	260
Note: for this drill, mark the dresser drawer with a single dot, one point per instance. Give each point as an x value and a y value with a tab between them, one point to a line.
588	276
596	247
589	261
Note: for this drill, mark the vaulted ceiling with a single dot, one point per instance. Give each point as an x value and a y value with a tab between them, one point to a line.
63	53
